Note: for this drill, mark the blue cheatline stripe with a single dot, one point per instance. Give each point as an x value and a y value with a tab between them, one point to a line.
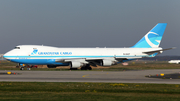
45	61
39	62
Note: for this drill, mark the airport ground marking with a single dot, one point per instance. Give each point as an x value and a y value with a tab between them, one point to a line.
86	76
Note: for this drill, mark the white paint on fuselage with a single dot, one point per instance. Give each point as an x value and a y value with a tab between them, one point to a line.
26	50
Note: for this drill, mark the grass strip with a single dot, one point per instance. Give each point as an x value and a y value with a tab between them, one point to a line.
88	91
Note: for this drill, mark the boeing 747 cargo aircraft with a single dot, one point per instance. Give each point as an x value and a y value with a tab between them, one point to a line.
148	46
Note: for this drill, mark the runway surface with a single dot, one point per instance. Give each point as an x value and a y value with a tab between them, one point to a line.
90	76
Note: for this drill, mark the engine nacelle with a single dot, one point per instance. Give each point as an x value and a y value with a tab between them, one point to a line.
107	63
75	64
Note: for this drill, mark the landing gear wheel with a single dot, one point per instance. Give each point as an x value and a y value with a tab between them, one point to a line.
86	67
21	68
83	68
89	68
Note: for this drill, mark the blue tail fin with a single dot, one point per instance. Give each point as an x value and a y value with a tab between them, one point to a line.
153	38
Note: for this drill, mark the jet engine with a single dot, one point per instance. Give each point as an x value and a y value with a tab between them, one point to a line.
75	64
107	63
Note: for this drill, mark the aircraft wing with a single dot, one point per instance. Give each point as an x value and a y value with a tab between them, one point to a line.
105	61
95	59
80	59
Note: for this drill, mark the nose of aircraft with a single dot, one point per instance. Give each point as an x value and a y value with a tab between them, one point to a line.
5	55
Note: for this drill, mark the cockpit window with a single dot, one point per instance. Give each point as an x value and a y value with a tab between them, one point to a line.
17	48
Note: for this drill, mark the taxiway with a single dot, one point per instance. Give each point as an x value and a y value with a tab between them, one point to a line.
90	76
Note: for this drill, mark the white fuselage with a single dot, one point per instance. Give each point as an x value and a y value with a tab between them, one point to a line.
35	54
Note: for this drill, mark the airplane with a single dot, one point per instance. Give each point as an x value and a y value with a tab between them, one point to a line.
148	46
174	61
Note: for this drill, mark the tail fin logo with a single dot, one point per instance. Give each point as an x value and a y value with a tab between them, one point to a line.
153	38
149	37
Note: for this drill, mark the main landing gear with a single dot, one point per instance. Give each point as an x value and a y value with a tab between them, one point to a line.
21	68
86	67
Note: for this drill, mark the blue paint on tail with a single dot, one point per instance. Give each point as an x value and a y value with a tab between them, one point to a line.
153	38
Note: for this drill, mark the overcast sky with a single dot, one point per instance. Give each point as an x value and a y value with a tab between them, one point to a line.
87	23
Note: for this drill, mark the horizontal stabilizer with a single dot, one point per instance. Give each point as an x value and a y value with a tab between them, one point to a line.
158	51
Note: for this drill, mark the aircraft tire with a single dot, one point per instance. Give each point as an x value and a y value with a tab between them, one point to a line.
83	68
87	67
22	68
